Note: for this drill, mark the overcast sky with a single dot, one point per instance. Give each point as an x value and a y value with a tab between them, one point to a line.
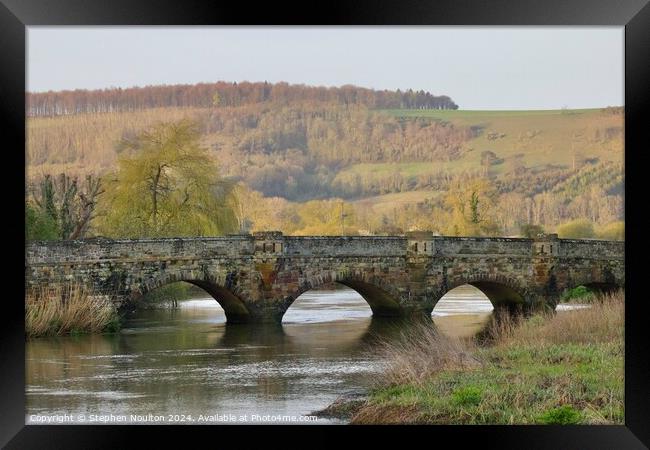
479	68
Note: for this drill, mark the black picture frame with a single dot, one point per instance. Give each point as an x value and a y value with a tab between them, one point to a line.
634	15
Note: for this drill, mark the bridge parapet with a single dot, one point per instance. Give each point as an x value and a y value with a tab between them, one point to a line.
454	246
338	246
101	249
592	249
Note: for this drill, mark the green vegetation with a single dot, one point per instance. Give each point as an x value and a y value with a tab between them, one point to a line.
549	369
166	185
467	396
614	231
39	225
564	415
68	309
576	229
61	207
580	293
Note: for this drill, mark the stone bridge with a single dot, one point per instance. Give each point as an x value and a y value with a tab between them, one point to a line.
255	278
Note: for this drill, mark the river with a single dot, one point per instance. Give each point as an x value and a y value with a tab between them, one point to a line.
186	366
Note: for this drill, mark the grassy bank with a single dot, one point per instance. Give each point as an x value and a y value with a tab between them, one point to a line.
67	309
550	369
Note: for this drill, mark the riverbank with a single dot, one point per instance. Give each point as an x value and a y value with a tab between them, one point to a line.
63	309
566	368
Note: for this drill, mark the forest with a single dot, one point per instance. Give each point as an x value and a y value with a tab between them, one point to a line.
348	160
224	94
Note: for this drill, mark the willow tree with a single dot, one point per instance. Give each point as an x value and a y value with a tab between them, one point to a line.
166	185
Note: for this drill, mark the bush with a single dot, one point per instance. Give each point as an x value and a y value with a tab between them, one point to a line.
614	231
564	415
576	229
580	292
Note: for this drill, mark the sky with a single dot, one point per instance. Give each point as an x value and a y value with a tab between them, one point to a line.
478	67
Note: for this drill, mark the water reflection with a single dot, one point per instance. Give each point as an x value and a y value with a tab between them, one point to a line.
462	312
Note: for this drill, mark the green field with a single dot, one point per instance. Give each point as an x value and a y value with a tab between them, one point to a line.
539	140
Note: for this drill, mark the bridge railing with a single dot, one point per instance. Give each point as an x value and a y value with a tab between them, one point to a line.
234	246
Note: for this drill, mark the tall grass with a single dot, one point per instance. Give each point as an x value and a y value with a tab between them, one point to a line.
67	309
420	352
603	321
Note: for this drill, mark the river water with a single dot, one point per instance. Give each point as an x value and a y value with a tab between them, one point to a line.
186	366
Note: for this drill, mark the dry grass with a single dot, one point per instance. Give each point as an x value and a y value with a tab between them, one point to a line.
602	322
420	352
66	308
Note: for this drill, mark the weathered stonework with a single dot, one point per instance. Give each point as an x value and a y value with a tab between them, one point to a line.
257	277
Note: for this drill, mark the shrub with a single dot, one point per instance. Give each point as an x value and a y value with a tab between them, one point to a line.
580	292
564	415
614	231
576	229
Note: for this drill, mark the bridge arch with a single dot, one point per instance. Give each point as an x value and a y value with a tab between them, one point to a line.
234	308
379	296
503	292
599	278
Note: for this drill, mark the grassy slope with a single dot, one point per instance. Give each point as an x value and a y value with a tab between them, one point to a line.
543	137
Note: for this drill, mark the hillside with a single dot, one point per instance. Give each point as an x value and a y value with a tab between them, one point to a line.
396	169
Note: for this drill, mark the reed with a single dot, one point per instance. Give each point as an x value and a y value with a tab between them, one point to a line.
420	352
67	308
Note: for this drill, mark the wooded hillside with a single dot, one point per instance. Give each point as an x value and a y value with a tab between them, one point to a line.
357	160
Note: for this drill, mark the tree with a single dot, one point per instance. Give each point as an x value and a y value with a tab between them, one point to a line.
39	225
167	185
472	207
65	202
